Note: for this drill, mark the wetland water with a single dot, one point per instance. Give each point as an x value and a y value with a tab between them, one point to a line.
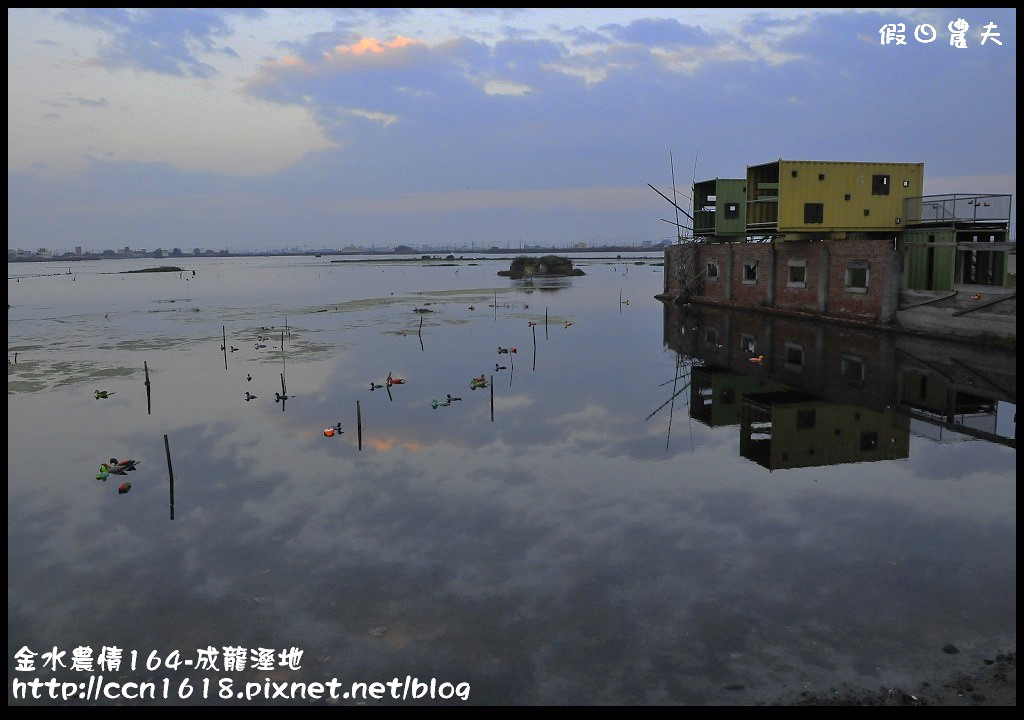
571	534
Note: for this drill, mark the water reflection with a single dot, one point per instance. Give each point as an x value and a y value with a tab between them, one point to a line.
807	394
542	540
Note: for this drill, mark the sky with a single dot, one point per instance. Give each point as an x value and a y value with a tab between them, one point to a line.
252	129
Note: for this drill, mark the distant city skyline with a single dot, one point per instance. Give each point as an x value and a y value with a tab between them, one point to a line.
80	252
330	127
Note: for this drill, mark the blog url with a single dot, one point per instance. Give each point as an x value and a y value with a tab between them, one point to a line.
98	688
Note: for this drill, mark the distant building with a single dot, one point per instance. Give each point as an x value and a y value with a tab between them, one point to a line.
851	241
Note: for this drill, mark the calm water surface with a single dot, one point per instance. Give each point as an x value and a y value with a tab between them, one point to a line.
568	535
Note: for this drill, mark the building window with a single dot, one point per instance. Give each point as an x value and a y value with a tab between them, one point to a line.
711	335
879	184
794	356
814	212
793	173
749	272
797	274
866	212
869	441
732	211
727	396
857	276
847	197
851	367
805	419
906	183
748	344
712	270
821	176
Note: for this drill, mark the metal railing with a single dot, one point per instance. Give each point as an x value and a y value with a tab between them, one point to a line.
958	209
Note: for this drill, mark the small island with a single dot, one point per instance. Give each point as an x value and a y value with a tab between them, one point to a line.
547	266
162	268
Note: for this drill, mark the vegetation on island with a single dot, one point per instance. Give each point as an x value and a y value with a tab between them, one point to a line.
547	266
162	268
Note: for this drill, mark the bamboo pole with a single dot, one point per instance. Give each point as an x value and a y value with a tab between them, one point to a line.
170	473
534	328
359	425
149	401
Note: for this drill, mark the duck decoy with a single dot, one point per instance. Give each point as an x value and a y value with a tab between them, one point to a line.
248	377
499	367
115	467
249	396
234	349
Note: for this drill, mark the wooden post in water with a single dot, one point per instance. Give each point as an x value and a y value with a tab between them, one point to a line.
359	425
534	328
170	473
149	403
224	344
492	398
545	323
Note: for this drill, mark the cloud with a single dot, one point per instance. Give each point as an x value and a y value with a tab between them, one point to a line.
462	113
159	40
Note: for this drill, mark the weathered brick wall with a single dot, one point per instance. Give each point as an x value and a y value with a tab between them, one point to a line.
714	289
771	288
861	306
796	298
751	294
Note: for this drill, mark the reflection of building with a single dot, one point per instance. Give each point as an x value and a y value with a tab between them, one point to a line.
716	394
807	393
850	241
790	429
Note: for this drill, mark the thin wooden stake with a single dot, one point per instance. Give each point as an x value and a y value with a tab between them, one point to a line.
170	473
359	425
224	344
492	398
149	402
534	328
